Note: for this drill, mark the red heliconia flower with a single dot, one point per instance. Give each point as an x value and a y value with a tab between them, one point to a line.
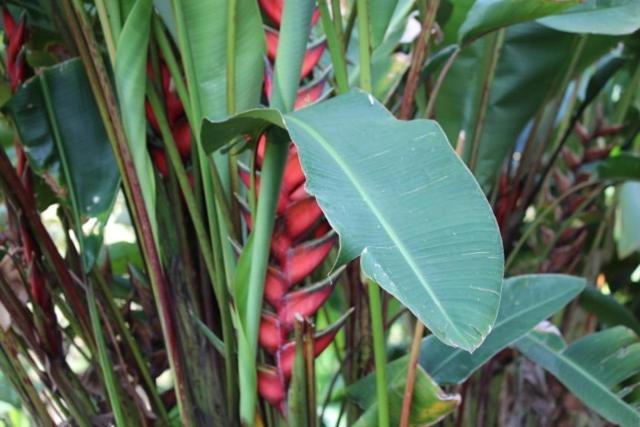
311	58
301	241
176	118
273	10
16	35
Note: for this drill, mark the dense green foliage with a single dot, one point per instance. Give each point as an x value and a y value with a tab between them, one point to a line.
331	213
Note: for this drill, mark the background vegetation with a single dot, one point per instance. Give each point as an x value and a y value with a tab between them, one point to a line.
355	212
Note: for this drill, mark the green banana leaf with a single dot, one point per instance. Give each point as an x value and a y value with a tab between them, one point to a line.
591	368
489	15
400	198
65	141
526	301
612	17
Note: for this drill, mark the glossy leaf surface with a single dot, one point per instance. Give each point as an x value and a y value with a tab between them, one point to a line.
526	301
591	367
424	231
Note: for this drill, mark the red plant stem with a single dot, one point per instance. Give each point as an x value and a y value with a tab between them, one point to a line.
411	374
420	53
100	85
12	188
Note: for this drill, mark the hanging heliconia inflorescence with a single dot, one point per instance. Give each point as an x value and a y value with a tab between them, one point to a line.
16	69
302	239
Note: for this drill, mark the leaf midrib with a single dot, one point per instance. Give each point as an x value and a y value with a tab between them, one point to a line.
573	365
498	326
386	226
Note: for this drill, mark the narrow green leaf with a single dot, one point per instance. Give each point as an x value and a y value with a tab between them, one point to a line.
622	167
525	302
611	17
489	15
607	309
380	19
590	367
130	76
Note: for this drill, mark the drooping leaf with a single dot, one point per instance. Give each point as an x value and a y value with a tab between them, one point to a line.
628	219
428	405
389	189
489	15
607	309
61	114
525	302
611	17
623	167
591	367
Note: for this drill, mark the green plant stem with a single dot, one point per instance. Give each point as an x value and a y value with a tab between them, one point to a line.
336	49
272	170
417	60
113	391
364	37
213	262
107	29
379	354
231	108
129	341
411	374
82	33
487	82
433	96
351	21
172	64
337	19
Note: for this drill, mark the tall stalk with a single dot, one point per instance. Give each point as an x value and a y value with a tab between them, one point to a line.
377	323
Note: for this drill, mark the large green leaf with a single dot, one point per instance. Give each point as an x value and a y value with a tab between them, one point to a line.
429	403
58	121
591	367
607	309
203	30
526	301
624	167
399	197
628	219
613	17
489	15
531	62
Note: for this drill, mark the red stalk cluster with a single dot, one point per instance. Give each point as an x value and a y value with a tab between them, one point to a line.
16	38
176	118
567	246
302	239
